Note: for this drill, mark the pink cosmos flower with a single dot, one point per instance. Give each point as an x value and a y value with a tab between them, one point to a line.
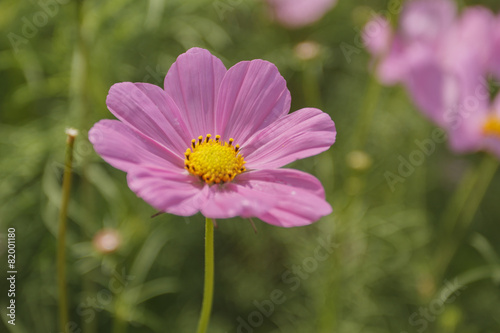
469	52
213	140
475	124
299	13
443	60
412	54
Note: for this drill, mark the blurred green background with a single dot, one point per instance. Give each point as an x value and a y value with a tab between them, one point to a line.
394	259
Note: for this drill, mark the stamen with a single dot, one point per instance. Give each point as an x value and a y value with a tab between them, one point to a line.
492	126
214	161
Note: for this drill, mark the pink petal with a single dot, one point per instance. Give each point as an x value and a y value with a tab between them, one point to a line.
467	135
175	193
301	134
149	110
193	82
393	66
495	61
423	27
465	127
433	90
253	94
235	199
300	197
282	197
377	35
298	13
427	20
468	47
125	149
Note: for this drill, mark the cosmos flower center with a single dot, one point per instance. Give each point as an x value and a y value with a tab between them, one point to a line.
492	126
213	160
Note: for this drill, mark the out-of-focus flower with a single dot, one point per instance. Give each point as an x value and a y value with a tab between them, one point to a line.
412	54
377	36
477	129
495	61
443	59
306	50
468	54
212	142
107	240
359	160
299	13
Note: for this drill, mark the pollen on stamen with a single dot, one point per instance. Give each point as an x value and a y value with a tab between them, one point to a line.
214	161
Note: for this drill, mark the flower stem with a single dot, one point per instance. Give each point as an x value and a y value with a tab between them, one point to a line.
462	209
208	291
365	117
61	238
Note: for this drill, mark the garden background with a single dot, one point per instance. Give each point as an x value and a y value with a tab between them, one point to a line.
385	260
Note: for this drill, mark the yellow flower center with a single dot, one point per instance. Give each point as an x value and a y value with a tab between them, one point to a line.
492	126
214	161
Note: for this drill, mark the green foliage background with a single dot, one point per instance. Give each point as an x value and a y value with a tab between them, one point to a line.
388	259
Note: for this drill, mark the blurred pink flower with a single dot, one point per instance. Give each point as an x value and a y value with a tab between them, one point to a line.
299	13
468	54
107	240
212	142
476	127
411	55
377	36
495	61
443	60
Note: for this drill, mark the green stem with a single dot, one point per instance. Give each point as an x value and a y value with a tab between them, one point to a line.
462	209
61	238
119	325
452	213
208	291
487	171
365	117
310	84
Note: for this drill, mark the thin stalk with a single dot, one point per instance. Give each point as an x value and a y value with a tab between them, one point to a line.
310	84
487	171
208	289
452	212
462	209
61	237
119	324
365	117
